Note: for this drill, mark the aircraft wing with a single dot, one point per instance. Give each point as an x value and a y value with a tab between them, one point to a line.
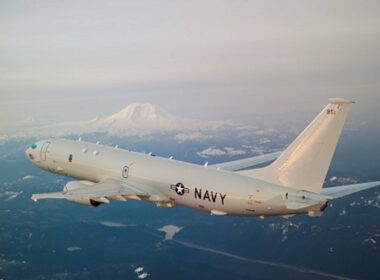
247	162
109	187
337	192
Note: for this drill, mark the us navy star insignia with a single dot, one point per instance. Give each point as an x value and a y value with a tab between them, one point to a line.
179	188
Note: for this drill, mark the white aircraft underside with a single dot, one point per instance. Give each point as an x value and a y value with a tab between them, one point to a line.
292	184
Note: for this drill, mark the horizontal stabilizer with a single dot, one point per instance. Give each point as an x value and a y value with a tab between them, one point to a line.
245	163
337	192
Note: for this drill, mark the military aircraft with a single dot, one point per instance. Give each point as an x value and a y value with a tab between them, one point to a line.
291	184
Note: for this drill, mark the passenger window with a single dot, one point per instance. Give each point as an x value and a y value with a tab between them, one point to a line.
125	171
70	158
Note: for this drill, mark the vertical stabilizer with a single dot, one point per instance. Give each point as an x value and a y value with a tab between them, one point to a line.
304	164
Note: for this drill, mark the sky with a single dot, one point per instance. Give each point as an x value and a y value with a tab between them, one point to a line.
240	60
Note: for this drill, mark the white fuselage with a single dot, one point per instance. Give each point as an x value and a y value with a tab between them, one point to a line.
205	188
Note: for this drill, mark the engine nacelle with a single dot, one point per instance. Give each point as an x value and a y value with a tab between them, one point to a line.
85	202
74	185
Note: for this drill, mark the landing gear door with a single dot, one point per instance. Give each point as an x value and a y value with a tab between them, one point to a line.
44	150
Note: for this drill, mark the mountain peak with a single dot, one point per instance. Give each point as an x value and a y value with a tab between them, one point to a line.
139	112
134	119
140	118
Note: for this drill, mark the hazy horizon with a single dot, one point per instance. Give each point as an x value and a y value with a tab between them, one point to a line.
240	60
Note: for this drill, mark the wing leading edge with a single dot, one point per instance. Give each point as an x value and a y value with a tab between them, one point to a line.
109	187
245	163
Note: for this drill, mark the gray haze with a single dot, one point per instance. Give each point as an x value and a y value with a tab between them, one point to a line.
241	60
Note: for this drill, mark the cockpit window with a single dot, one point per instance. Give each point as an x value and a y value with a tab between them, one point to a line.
34	146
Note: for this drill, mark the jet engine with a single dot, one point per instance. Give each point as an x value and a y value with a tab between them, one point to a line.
74	185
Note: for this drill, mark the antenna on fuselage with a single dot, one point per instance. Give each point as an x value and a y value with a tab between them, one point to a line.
97	143
206	164
117	146
80	139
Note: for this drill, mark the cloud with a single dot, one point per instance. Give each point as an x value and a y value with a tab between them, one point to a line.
112	224
343	180
211	152
234	152
216	152
11	195
333	178
266	131
343	212
73	248
139	269
28	177
141	274
256	150
170	231
370	241
85	274
264	141
191	136
9	263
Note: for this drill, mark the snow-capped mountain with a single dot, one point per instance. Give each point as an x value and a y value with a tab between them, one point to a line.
135	119
139	118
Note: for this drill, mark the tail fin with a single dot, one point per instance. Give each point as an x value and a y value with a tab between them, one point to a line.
304	164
